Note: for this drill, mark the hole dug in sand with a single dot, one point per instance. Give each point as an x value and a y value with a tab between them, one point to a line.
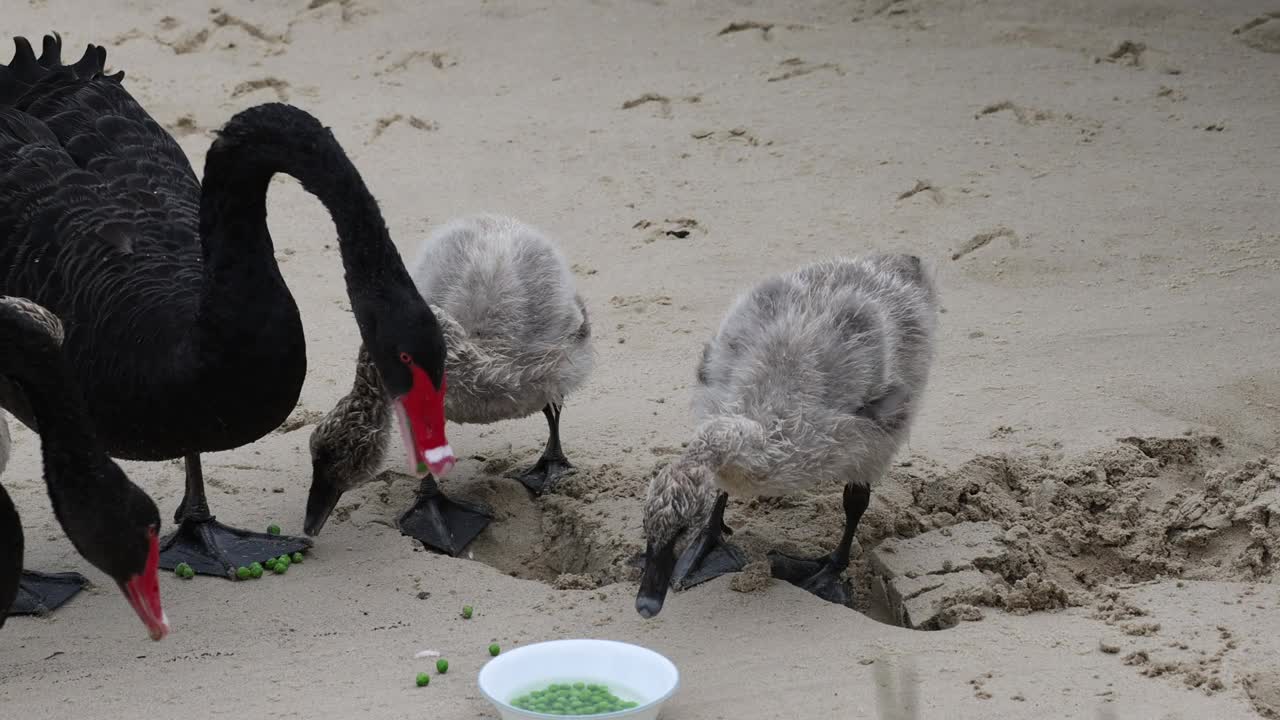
938	546
574	537
1031	532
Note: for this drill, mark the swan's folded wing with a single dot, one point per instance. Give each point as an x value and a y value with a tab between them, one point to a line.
69	236
98	203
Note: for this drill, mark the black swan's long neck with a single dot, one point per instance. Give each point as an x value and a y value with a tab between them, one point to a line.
71	451
249	351
254	145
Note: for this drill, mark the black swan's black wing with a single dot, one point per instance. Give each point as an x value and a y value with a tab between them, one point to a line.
99	207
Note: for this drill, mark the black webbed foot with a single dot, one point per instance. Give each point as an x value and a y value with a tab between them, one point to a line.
42	593
211	548
820	576
553	464
440	523
543	476
708	557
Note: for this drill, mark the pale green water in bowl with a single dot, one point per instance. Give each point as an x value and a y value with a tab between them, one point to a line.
575	698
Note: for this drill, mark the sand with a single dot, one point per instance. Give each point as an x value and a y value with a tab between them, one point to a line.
1095	184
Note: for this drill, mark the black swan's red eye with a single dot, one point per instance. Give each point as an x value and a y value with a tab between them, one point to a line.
404	358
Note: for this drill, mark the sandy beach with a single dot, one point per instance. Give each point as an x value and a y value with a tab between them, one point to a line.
1096	185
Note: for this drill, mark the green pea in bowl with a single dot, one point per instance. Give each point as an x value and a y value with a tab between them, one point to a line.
579	678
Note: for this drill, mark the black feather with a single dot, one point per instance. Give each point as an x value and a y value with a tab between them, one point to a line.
178	323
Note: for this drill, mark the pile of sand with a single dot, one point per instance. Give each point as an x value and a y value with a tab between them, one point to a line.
1139	509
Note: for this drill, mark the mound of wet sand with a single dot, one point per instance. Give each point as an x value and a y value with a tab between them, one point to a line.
1067	528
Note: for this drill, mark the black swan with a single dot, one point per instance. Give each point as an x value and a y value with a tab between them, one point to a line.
179	325
111	521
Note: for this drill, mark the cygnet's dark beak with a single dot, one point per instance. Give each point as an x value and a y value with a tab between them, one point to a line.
658	565
321	501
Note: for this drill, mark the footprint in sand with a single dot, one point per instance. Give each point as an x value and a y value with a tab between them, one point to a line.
126	36
739	135
1261	33
349	10
1126	53
882	8
922	186
438	60
196	40
679	228
412	121
640	303
280	87
1088	129
983	239
765	28
1262	685
795	67
1024	116
184	125
662	101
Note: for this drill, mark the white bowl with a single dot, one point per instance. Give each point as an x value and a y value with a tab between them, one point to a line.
630	671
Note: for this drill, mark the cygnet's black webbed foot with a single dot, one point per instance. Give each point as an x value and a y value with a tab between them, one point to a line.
709	556
211	548
553	464
822	576
42	593
440	523
543	476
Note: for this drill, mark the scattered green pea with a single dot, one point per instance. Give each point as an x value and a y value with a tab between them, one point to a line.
184	571
423	679
297	557
284	559
578	698
494	649
273	529
280	568
466	612
243	573
255	571
442	666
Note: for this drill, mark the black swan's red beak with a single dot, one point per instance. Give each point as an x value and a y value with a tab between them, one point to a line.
143	592
421	415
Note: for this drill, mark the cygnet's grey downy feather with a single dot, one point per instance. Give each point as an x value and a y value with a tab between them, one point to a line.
813	377
520	338
517	333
